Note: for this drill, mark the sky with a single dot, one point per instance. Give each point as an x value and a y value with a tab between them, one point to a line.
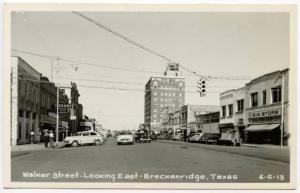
240	45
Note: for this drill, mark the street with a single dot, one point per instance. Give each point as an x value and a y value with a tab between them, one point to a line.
159	161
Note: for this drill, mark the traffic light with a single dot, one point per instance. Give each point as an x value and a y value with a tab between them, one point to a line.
201	85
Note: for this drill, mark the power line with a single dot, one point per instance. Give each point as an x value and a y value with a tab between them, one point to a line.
109	88
148	49
83	63
115	82
119	68
123	37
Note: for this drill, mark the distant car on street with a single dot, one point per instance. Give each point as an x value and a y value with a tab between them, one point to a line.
125	137
84	138
195	138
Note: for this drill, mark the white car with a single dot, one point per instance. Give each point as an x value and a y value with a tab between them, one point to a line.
125	137
83	138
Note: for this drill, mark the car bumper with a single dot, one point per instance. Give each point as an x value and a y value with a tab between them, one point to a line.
125	142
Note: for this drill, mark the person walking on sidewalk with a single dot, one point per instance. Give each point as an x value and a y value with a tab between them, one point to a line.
46	138
51	136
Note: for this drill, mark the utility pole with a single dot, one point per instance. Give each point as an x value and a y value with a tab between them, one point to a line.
51	70
57	113
282	110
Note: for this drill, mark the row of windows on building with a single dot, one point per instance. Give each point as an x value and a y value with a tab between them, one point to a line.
28	91
275	98
168	94
27	114
156	106
166	100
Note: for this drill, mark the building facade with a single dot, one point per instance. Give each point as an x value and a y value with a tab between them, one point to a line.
48	98
76	113
232	112
208	123
264	108
163	92
24	101
185	118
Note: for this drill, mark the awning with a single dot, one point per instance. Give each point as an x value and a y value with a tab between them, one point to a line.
256	128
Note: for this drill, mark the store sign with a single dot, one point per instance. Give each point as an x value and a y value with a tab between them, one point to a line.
48	120
269	113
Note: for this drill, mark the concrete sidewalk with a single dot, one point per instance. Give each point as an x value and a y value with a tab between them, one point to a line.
264	146
28	148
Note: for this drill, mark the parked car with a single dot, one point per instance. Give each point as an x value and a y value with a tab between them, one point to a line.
125	137
195	138
209	138
84	138
177	136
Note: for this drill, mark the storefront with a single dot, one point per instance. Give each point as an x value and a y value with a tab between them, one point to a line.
264	126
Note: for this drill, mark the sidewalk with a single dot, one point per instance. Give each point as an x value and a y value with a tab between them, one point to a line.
28	148
264	146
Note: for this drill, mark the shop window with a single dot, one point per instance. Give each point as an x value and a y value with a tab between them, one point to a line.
223	111
276	94
264	97
254	99
240	105
230	110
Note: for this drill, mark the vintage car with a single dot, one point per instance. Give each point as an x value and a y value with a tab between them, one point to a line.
210	138
125	137
195	138
84	138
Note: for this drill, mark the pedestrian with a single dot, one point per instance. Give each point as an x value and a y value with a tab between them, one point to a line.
51	137
31	136
46	138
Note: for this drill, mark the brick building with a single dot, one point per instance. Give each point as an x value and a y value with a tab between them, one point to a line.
24	101
162	92
263	105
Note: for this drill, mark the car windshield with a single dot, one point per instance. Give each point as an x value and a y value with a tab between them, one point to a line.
77	134
125	133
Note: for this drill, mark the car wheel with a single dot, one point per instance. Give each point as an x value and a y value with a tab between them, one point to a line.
97	142
74	143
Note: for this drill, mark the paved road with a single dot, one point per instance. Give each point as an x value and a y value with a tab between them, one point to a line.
148	162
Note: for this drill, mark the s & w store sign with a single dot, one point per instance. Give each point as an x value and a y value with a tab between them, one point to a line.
266	113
